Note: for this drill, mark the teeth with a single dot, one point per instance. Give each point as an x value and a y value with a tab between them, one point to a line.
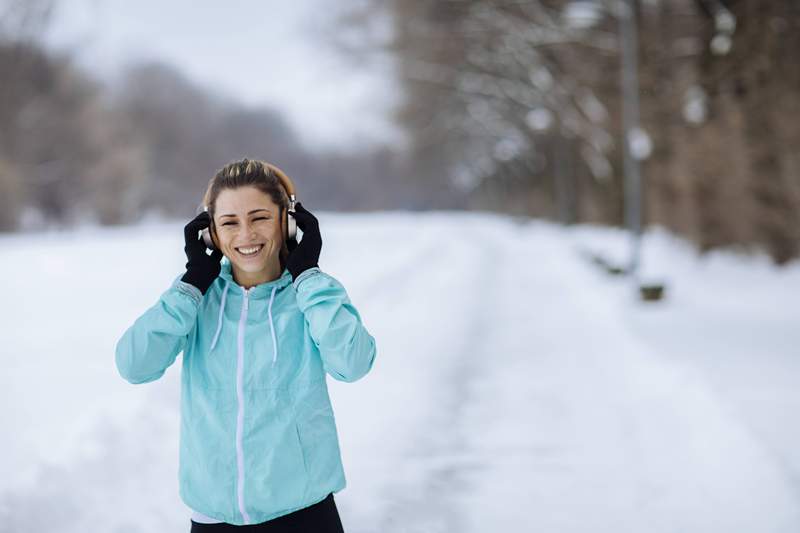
249	251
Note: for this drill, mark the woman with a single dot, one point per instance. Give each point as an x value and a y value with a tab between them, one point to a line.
258	331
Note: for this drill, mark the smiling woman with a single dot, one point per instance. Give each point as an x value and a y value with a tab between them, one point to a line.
259	331
252	239
249	206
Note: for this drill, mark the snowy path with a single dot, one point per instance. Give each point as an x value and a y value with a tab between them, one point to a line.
628	439
551	416
513	391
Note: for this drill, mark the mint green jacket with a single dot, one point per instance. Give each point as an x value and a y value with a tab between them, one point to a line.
258	437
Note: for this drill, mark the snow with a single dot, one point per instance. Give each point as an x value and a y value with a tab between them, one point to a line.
582	14
539	119
517	387
695	108
641	145
721	44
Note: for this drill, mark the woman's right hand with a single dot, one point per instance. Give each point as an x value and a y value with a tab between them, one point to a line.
201	269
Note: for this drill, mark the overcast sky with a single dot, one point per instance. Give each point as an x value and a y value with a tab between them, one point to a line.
330	101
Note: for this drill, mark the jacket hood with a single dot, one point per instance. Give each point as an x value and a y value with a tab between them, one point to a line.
258	292
262	290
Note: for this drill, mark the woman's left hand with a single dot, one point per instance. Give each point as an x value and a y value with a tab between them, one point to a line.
304	255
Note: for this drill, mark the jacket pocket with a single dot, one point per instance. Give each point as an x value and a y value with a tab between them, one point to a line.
316	428
302	448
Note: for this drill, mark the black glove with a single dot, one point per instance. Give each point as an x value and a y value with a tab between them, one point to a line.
201	269
304	255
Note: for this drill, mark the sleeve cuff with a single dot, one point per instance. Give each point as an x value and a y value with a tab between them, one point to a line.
188	289
306	274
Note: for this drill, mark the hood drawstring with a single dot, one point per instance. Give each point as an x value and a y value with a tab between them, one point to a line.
271	324
272	327
221	314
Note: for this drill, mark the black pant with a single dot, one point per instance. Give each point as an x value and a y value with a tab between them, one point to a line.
322	517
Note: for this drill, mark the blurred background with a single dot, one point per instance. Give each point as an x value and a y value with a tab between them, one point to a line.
111	112
596	200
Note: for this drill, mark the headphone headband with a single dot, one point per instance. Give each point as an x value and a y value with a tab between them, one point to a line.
285	181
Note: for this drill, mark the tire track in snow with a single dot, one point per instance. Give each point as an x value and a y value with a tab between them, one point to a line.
438	462
553	418
426	250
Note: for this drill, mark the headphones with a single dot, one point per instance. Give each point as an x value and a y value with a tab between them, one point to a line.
290	222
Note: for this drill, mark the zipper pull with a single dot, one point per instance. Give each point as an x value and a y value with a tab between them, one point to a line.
246	293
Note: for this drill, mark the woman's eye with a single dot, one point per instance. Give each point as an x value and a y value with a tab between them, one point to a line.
258	218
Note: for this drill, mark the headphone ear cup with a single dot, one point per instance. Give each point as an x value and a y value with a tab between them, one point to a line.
206	232
207	239
291	227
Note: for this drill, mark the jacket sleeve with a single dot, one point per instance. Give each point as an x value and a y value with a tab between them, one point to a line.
151	344
346	347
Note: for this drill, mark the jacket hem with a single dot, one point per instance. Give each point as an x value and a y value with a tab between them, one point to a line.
255	516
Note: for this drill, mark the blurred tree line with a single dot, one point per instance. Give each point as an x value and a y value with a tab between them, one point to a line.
73	149
515	106
508	105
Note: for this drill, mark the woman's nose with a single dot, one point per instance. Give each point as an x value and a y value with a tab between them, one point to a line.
248	230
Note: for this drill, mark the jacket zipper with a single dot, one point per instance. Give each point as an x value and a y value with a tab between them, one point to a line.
240	398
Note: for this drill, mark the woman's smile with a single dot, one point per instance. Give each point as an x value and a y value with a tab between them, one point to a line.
248	252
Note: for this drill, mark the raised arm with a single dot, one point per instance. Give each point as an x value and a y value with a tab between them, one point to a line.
155	339
346	347
152	343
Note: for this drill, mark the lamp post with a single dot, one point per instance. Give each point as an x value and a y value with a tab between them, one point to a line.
630	126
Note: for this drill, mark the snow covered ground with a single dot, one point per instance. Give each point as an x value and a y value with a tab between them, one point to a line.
517	387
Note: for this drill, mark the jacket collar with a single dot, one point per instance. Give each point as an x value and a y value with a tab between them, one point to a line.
261	290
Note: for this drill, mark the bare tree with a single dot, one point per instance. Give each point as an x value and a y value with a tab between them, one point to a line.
516	106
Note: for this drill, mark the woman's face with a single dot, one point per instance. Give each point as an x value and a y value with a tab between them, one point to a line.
247	220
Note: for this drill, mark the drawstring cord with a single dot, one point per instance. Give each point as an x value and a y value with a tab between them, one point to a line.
272	327
271	324
221	314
